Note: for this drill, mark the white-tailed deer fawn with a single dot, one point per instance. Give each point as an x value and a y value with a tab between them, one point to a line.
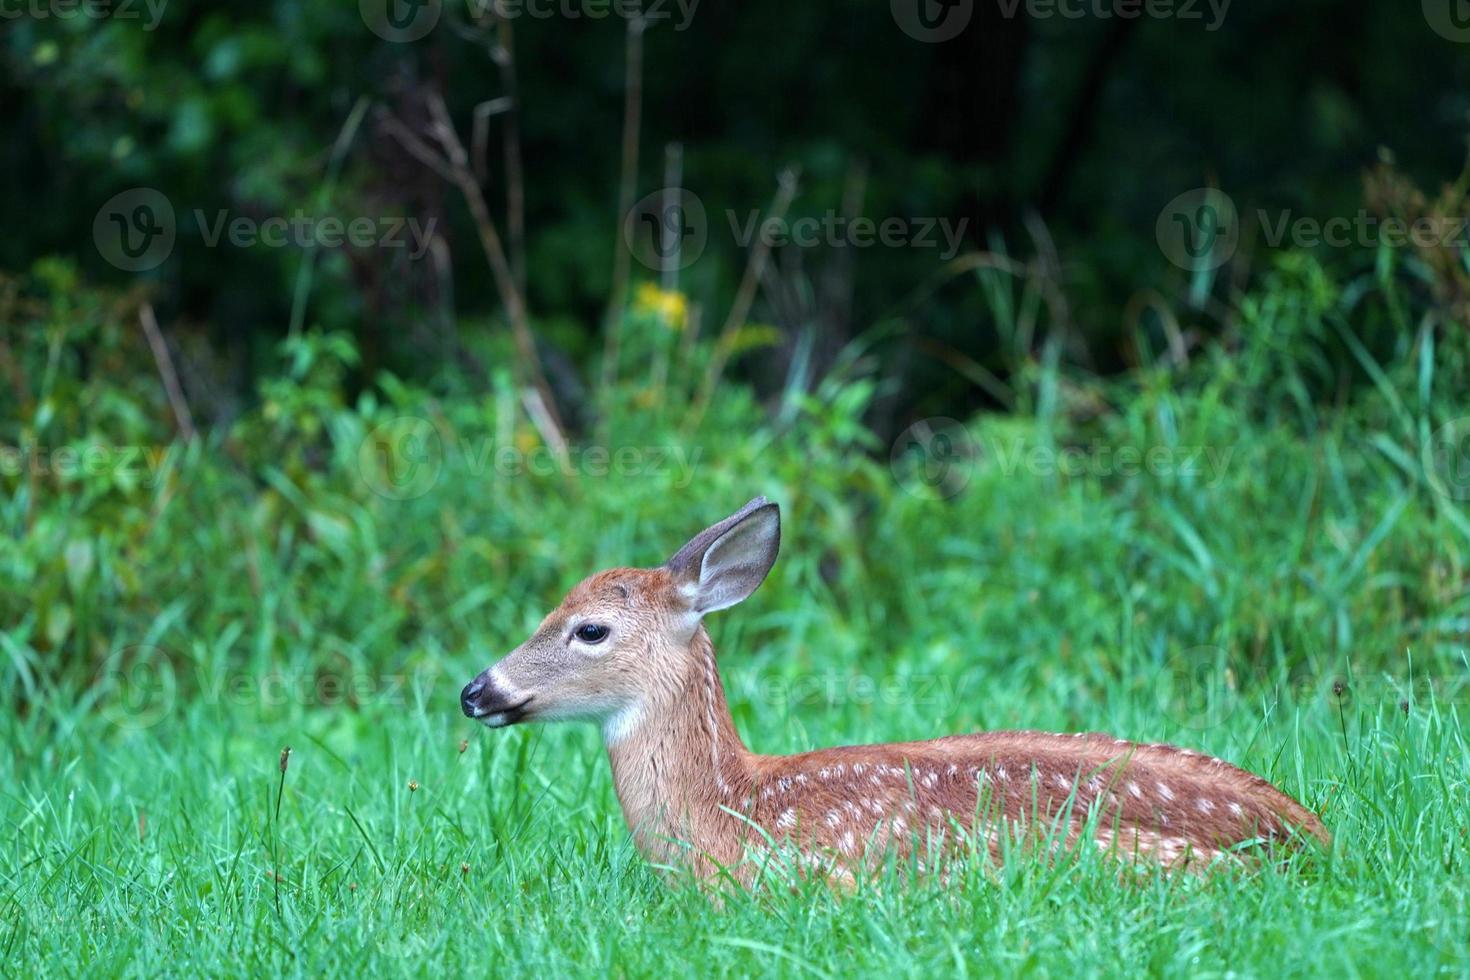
628	649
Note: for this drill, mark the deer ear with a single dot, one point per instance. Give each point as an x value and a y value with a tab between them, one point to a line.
724	564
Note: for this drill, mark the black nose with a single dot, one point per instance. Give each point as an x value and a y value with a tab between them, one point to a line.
469	698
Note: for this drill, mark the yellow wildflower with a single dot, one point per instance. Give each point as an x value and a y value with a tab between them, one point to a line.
670	306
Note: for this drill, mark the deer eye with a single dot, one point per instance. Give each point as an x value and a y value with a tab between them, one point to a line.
591	633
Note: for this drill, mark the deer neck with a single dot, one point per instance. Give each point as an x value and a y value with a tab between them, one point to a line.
677	761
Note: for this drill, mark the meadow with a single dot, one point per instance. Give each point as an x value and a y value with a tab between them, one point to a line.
1233	551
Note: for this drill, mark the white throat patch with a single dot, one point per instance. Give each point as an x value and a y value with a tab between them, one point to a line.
622	723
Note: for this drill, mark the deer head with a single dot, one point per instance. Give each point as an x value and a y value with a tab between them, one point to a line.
621	642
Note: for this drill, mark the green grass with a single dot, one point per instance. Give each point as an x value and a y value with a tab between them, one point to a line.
162	850
341	868
1300	609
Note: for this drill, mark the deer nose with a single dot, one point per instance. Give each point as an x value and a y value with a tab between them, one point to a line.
469	698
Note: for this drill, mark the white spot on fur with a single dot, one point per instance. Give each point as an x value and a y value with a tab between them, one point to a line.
787	820
1166	792
1205	805
1236	810
833	818
1134	791
849	843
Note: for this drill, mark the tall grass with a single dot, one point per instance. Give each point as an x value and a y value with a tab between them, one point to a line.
1279	577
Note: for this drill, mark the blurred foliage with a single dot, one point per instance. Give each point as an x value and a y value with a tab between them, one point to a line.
332	531
1059	117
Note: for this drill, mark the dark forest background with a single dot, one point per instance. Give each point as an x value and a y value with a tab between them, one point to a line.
1059	139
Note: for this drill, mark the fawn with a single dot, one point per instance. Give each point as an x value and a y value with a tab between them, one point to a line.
628	649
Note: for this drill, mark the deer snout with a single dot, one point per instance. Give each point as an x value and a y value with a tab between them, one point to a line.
482	699
469	698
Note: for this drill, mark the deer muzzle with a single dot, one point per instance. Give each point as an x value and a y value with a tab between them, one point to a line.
482	700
